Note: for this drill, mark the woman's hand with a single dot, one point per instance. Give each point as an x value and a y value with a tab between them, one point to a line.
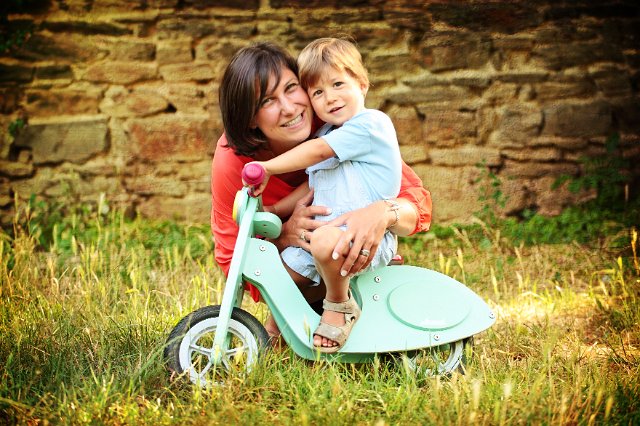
296	231
365	228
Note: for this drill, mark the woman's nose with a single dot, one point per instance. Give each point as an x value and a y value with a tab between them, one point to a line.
286	105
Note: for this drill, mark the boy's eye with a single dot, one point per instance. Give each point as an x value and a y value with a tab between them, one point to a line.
338	83
316	93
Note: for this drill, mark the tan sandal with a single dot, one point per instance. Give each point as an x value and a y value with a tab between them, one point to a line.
351	312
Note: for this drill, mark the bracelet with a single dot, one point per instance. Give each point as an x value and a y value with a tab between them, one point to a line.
394	207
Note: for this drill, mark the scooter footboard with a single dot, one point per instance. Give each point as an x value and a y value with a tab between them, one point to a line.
407	307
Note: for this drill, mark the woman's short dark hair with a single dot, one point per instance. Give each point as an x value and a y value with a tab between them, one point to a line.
246	76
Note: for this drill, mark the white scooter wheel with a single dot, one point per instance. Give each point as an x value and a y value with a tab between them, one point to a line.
440	360
189	348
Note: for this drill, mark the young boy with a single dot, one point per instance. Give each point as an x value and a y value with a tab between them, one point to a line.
354	161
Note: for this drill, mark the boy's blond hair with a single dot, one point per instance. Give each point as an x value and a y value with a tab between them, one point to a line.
338	53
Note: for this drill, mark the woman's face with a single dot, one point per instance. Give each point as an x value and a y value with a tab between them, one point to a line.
285	115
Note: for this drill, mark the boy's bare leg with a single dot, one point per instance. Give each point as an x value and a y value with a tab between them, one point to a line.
323	242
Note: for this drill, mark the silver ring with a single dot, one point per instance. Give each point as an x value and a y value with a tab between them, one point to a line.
365	252
303	235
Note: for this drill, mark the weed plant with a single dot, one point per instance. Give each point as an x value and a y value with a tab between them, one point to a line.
88	297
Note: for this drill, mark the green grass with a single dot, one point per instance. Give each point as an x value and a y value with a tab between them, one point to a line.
86	305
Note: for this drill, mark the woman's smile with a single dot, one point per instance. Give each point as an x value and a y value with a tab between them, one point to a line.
296	120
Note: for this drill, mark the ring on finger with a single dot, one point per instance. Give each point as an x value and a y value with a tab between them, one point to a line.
303	235
365	252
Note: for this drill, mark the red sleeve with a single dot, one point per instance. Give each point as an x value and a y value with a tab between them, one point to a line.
411	189
225	183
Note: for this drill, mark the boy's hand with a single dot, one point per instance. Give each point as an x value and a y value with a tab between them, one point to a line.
256	188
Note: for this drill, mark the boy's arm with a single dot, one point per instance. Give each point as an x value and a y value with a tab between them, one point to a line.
284	207
300	157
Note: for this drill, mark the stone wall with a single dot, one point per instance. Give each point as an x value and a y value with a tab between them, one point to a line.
121	96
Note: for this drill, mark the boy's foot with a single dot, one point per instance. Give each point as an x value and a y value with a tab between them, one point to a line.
335	325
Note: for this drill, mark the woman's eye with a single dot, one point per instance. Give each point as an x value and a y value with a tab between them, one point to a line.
265	102
291	87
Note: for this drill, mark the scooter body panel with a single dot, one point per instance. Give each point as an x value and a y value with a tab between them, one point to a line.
403	307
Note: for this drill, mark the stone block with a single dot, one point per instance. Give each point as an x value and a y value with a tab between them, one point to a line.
120	102
169	138
560	56
58	141
517	169
150	184
15	169
85	27
194	208
232	4
486	16
56	102
565	88
424	95
559	142
186	97
577	120
612	81
129	50
516	125
13	73
452	50
454	191
9	99
217	53
174	52
500	92
187	72
120	72
442	125
54	72
414	154
544	154
466	155
551	202
627	114
407	123
58	48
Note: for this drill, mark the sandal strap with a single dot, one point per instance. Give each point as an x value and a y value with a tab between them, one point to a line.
331	332
348	307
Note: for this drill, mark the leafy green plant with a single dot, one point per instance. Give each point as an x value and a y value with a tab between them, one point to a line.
611	210
605	174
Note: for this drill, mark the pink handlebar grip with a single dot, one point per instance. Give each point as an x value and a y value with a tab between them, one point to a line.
253	174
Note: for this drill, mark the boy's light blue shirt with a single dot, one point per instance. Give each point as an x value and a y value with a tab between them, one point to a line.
369	140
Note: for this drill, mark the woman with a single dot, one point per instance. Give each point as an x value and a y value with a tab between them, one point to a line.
265	112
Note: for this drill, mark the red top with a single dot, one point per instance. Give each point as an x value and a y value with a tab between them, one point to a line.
226	182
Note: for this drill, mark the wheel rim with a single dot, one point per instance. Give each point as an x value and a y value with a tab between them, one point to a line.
439	360
196	351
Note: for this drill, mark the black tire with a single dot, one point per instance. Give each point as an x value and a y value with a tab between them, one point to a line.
441	360
189	346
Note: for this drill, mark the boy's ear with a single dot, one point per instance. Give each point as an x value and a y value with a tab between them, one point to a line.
364	88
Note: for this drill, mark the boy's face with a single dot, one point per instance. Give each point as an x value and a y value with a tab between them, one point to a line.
336	96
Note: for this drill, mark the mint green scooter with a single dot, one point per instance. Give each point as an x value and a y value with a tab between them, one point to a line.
420	314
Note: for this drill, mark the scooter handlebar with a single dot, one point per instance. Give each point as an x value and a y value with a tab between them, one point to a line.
253	174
